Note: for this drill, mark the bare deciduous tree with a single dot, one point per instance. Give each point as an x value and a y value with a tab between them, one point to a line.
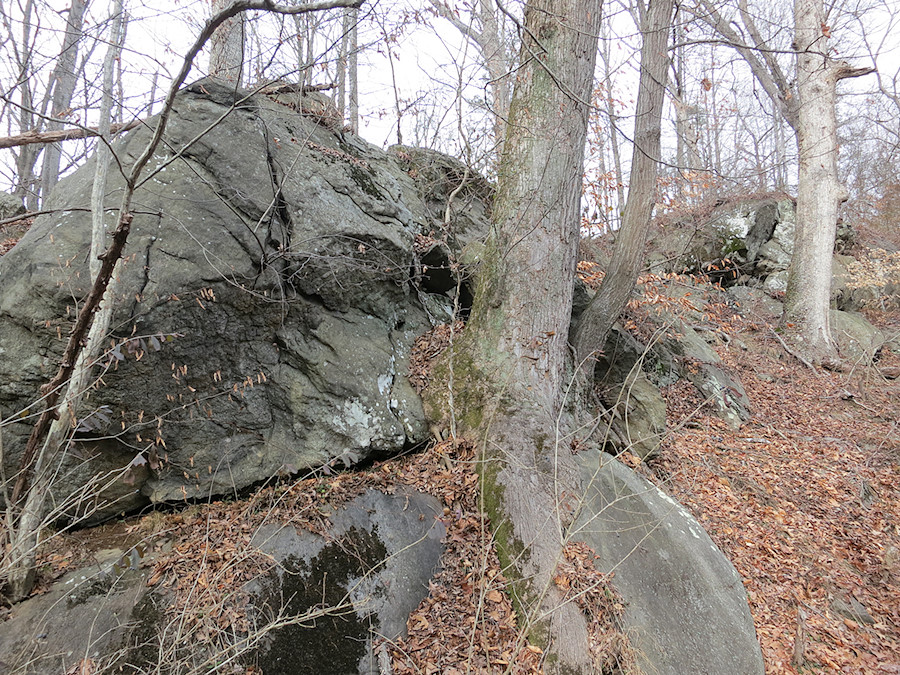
226	47
485	28
512	359
809	108
628	255
819	193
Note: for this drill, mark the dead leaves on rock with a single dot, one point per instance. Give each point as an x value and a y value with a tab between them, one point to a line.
426	349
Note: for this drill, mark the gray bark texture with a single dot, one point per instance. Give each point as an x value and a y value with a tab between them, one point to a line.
819	193
226	47
514	353
628	255
63	82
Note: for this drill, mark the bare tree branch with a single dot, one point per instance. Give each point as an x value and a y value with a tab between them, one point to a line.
32	137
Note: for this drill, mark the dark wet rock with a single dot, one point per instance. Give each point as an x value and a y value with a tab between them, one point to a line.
265	312
636	411
371	573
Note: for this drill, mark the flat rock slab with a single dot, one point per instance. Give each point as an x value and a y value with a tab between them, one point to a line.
685	606
365	578
85	616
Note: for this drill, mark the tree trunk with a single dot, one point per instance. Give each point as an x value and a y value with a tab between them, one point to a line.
819	193
352	73
499	66
613	130
342	66
24	540
628	254
63	82
510	366
26	184
810	112
226	47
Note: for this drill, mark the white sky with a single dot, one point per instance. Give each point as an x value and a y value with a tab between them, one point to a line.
160	31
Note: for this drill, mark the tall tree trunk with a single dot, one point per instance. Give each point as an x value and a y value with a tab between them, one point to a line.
298	43
613	129
819	193
499	66
62	80
352	73
226	47
341	78
628	254
26	188
511	361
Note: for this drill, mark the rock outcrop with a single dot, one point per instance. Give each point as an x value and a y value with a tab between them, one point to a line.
748	242
265	312
373	569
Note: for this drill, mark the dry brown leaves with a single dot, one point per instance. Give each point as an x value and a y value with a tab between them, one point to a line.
6	245
426	349
467	623
803	499
579	580
12	232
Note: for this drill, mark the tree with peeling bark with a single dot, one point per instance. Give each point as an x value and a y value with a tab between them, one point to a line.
509	370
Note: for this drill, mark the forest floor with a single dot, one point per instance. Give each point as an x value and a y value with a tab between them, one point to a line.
804	499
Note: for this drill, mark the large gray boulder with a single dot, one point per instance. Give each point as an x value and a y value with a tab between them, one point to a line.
686	609
857	339
264	316
365	576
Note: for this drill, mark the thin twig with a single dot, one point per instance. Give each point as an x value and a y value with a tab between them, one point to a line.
795	354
